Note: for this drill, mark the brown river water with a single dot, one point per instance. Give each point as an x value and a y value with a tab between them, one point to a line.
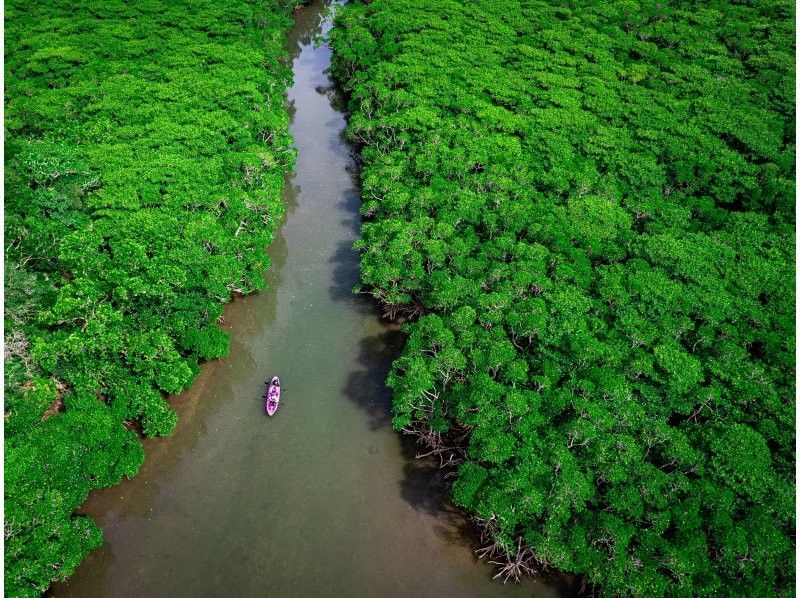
323	499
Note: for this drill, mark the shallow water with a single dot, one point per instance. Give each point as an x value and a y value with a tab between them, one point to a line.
323	499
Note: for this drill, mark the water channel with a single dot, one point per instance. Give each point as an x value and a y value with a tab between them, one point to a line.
324	499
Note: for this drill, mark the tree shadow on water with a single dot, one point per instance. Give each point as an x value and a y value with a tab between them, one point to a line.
422	485
333	93
346	276
425	488
366	387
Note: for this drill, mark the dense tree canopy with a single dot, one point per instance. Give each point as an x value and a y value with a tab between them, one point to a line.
588	211
146	147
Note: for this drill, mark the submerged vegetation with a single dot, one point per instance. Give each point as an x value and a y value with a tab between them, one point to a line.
146	147
587	211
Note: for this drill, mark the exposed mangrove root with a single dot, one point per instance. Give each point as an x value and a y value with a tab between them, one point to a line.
392	311
450	448
510	565
524	562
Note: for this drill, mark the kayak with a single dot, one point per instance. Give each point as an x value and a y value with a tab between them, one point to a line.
272	397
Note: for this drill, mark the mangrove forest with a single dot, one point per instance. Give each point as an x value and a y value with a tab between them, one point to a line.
585	212
571	231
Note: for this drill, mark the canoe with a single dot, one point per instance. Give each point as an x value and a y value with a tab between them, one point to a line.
272	397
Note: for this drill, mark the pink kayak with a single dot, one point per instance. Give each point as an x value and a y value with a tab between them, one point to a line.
273	396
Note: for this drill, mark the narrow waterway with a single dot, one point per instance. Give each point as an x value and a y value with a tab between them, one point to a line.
324	499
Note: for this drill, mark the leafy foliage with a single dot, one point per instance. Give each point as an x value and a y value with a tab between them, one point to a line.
590	207
146	147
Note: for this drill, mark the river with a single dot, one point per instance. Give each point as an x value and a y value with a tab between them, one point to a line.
323	499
